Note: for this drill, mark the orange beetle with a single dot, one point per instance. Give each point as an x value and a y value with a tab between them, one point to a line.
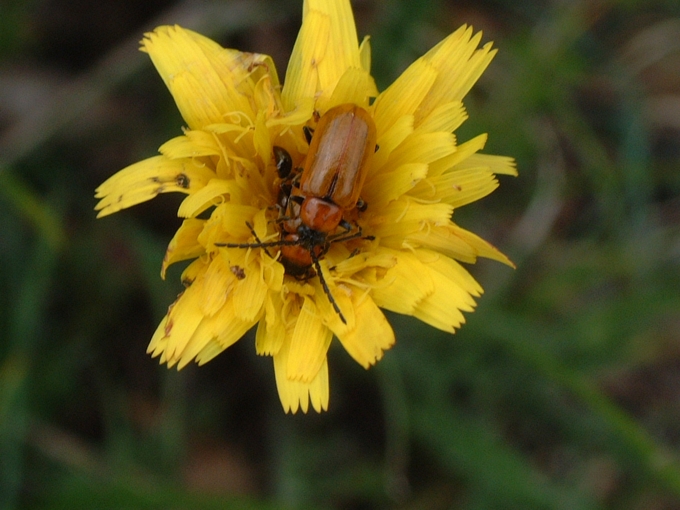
315	202
339	155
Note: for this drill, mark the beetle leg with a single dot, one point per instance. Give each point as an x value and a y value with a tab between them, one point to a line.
325	288
308	133
346	225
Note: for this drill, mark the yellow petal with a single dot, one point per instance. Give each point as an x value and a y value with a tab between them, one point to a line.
405	95
271	331
481	247
459	65
451	270
340	294
371	334
326	47
404	285
215	285
144	180
227	223
249	293
442	309
497	164
445	117
184	245
390	140
259	67
404	217
302	76
379	257
206	80
215	192
296	395
303	111
355	86
445	240
422	148
462	152
365	54
458	187
389	186
309	344
194	271
191	145
183	317
229	329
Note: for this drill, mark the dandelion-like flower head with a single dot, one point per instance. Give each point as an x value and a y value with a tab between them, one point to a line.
244	164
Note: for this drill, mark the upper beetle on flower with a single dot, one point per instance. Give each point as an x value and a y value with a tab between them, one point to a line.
313	204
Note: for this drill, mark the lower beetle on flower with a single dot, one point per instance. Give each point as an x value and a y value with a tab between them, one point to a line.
308	240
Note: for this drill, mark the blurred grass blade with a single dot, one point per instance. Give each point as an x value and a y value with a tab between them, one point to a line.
32	209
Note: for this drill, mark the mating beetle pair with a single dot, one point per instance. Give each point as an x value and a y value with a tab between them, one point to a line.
316	203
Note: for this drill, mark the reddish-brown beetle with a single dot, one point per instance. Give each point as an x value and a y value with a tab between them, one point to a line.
315	204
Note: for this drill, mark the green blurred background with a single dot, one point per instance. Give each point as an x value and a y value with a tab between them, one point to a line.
561	392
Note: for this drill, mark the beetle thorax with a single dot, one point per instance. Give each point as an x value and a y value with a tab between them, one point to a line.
321	215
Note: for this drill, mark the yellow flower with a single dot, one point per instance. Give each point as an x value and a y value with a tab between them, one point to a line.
399	252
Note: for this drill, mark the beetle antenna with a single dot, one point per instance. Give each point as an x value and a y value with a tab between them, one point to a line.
258	244
324	285
252	231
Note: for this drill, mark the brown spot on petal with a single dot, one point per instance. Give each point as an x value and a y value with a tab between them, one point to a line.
168	327
183	181
238	272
